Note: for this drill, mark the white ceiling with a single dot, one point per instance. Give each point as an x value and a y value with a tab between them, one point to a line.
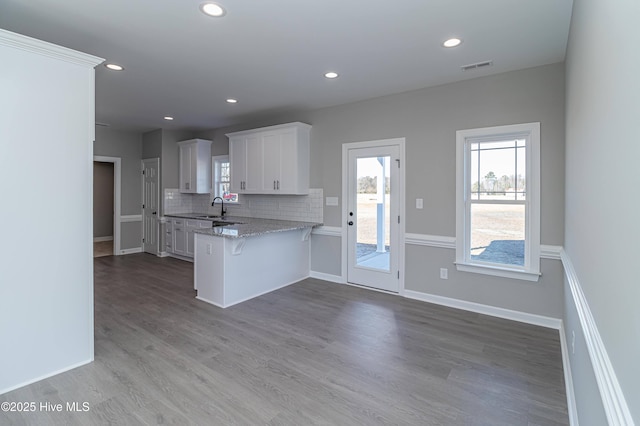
271	55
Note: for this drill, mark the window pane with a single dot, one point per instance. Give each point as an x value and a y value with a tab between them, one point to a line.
373	214
224	172
476	182
521	165
498	233
497	170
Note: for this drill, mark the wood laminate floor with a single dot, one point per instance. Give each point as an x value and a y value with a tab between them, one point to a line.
102	248
311	353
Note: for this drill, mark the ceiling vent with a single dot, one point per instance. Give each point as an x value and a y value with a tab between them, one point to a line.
476	66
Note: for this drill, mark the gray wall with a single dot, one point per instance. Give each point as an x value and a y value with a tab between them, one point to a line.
170	161
602	181
162	144
152	144
126	145
102	199
428	119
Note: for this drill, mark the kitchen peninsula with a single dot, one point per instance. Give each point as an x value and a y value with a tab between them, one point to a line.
248	258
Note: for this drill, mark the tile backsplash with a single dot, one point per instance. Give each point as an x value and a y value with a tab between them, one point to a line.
306	208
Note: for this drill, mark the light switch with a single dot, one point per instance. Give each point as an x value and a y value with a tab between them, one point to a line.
419	203
332	201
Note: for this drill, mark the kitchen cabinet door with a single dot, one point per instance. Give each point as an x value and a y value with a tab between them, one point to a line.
195	166
255	167
238	160
271	160
179	237
271	143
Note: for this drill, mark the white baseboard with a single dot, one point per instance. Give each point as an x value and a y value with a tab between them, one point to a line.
613	400
493	311
46	376
164	254
101	239
326	277
131	250
568	378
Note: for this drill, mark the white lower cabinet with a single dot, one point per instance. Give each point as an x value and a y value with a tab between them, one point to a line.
181	235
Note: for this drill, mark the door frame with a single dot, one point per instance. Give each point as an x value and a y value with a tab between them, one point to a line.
117	179
158	245
400	143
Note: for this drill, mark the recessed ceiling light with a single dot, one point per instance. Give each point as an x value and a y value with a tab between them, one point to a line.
452	42
212	9
232	101
114	67
331	74
168	118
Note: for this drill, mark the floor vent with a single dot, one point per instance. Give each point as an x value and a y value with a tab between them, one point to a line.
476	66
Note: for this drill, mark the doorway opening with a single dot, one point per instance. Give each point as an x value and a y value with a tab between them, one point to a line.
106	205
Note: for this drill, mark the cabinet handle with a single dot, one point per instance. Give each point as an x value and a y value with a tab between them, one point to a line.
274	184
278	184
186	185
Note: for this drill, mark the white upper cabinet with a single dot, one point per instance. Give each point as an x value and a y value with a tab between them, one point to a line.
195	166
270	160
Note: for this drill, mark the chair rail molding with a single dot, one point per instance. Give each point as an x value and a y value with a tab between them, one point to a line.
131	218
613	400
430	240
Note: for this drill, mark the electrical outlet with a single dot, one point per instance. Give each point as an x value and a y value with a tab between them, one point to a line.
573	342
208	248
444	273
419	203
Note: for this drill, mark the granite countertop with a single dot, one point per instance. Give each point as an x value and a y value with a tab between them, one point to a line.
245	226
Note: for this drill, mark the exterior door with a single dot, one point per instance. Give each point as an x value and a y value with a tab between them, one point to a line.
150	205
373	217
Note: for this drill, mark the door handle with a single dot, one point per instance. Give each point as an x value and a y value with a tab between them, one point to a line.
350	223
154	213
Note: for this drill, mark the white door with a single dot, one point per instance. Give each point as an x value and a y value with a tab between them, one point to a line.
150	205
373	217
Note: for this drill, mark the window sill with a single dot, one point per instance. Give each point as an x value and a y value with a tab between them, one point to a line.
498	272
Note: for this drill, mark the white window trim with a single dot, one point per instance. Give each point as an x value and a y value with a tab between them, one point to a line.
531	131
214	176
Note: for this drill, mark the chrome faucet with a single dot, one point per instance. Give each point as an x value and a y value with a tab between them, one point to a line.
222	212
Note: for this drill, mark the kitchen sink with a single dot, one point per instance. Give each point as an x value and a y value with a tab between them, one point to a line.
224	223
